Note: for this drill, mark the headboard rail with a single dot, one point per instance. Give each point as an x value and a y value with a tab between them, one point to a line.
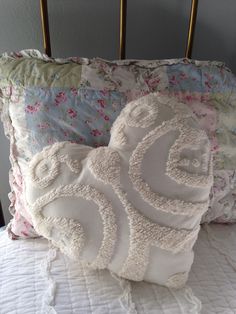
191	28
123	18
45	27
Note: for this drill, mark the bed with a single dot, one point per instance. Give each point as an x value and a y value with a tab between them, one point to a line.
40	279
36	277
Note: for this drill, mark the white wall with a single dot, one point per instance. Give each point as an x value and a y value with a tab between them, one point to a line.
156	29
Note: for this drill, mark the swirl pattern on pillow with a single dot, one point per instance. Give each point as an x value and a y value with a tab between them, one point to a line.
134	206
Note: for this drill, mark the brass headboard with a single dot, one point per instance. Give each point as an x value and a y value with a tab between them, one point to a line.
122	28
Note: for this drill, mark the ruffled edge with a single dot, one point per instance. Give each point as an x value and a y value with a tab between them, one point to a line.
164	62
9	132
34	53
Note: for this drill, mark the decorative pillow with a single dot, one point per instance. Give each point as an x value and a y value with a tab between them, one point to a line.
134	206
45	100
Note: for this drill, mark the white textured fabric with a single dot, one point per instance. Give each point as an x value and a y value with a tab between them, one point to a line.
35	280
135	206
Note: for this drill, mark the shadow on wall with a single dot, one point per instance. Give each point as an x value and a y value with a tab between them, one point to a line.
232	61
4	172
158	30
216	32
212	45
155	29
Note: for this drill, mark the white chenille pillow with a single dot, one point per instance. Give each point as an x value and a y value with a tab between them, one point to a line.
135	206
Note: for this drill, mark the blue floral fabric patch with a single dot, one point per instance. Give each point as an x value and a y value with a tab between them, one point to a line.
82	116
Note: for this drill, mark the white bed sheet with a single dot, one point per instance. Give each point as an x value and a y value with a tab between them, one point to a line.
36	278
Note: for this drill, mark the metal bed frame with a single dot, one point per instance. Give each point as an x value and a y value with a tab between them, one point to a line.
122	38
122	28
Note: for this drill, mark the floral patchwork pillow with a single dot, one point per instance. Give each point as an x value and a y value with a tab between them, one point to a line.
45	100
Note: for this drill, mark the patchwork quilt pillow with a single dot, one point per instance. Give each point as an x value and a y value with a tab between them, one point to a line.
133	206
45	100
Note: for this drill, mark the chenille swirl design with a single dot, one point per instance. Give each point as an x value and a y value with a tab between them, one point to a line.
160	202
104	163
105	210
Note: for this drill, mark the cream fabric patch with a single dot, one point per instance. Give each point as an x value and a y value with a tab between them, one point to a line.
142	197
42	74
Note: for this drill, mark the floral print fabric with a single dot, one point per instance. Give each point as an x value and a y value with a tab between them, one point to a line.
79	115
47	100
